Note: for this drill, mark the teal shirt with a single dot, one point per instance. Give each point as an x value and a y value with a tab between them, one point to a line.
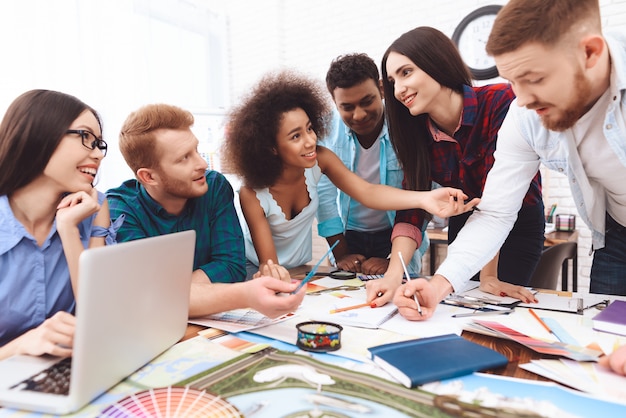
219	241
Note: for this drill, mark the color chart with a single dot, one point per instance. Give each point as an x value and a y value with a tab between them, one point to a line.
172	402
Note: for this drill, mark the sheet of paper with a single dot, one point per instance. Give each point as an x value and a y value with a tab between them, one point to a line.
238	320
485	297
555	302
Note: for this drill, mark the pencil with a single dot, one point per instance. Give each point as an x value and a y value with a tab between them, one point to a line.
543	324
408	277
347	308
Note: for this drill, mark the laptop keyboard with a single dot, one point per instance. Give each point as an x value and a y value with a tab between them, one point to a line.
55	379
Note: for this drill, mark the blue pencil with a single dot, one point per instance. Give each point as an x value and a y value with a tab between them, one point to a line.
314	269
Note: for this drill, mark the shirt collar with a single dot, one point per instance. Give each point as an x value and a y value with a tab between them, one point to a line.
11	230
468	116
155	207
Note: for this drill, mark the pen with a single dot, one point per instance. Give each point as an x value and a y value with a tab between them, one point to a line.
477	313
348	308
543	324
408	277
308	277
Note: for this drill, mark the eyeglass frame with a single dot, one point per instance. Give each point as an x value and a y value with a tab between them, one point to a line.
96	143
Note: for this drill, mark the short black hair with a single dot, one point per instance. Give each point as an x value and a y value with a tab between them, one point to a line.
349	70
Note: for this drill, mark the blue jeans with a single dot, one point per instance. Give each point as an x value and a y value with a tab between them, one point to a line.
370	244
522	249
608	271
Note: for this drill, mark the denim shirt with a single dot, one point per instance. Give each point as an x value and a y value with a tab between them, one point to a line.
333	211
524	144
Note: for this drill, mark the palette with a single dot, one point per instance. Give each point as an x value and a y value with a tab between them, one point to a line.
172	401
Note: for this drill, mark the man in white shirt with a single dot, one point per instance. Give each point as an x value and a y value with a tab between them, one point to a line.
570	113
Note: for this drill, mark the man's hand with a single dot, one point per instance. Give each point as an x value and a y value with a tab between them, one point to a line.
428	292
615	361
374	265
351	262
272	297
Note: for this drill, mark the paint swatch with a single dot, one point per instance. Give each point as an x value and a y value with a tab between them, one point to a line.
172	402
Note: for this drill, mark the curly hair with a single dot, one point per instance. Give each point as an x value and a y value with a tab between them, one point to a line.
252	126
349	70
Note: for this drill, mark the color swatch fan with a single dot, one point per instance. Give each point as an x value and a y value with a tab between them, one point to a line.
172	402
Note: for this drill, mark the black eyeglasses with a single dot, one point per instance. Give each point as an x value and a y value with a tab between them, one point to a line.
90	140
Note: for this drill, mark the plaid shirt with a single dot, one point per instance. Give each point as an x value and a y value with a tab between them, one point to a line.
219	240
464	160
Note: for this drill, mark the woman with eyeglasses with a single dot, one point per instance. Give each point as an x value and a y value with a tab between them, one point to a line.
50	152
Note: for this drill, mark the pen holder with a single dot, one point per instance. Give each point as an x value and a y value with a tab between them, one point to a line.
319	336
565	223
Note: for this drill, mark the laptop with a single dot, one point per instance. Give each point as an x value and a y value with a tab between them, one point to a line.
133	304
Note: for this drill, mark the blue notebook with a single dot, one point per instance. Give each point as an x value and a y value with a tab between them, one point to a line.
424	360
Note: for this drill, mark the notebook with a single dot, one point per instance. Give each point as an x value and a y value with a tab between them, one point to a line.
132	304
424	360
612	318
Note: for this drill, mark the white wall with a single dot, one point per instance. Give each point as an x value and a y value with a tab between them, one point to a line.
117	55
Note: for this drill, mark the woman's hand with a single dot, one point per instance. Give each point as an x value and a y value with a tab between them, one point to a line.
493	285
445	202
75	207
54	336
273	270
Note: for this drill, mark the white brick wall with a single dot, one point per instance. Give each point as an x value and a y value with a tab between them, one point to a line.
307	35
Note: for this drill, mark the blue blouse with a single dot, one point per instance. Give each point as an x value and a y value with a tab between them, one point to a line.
35	280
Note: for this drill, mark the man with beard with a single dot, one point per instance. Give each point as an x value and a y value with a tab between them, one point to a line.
173	191
360	138
570	115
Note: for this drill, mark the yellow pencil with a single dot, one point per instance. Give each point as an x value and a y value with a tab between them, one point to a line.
347	308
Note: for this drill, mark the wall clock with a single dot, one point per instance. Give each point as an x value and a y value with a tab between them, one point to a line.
470	37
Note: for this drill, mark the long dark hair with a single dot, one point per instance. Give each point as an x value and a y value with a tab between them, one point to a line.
435	54
30	131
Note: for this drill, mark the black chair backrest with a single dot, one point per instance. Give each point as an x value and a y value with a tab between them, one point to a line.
546	274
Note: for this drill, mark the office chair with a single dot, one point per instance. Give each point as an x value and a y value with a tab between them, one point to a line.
553	259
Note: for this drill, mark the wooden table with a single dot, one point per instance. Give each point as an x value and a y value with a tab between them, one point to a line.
440	236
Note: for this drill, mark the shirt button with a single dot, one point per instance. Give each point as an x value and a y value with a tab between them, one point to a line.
560	170
609	126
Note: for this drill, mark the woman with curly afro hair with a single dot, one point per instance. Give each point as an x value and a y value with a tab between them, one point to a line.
271	143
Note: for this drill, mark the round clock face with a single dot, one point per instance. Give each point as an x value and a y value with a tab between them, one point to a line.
473	40
471	37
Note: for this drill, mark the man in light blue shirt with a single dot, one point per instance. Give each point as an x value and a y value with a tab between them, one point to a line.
360	139
570	114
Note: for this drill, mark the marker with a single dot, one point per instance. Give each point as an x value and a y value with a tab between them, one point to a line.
408	277
314	269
